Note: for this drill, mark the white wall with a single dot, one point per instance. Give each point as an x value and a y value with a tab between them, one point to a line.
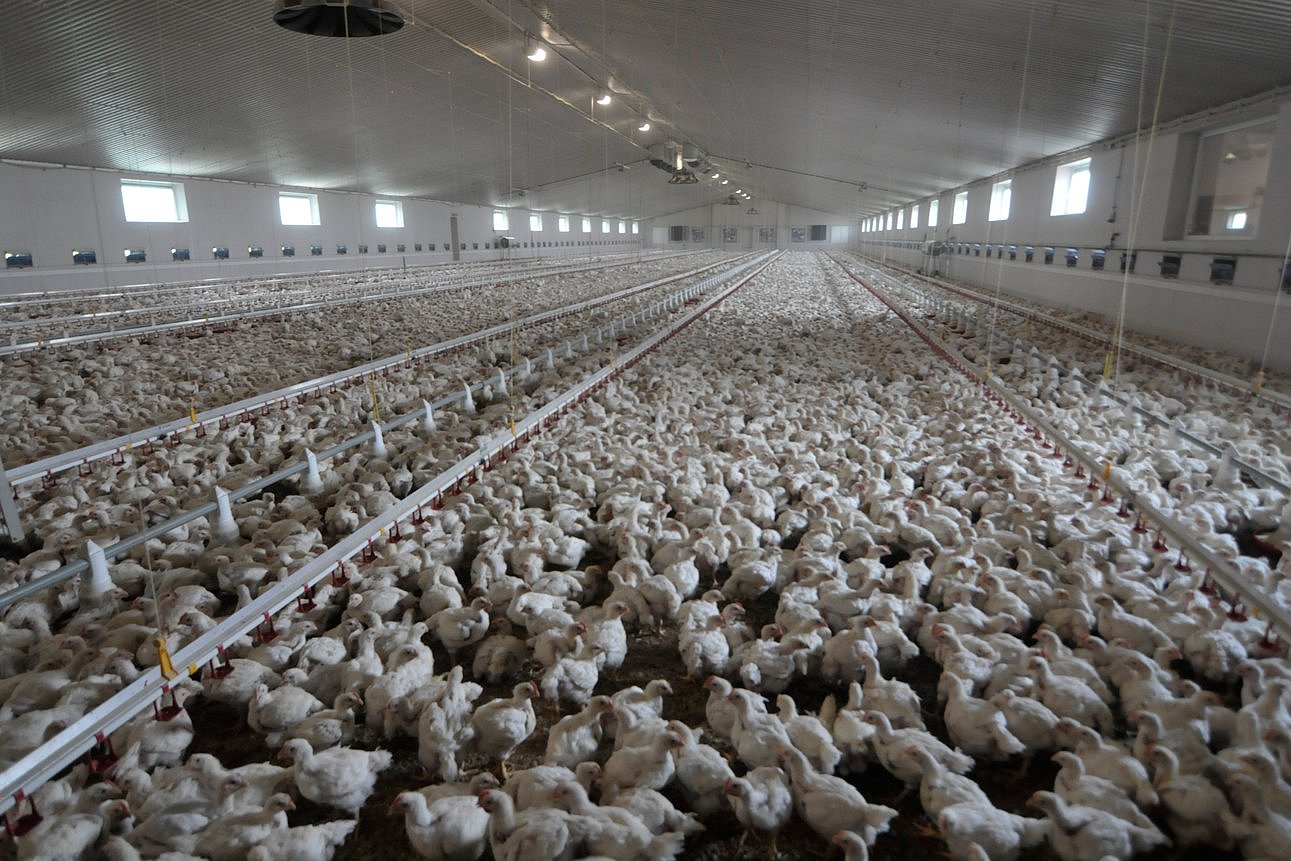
778	217
49	211
1236	318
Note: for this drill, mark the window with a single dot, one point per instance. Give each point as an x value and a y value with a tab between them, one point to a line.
1071	188
900	219
623	227
1228	184
959	214
933	207
562	223
605	225
389	213
587	225
1001	199
297	209
535	222
153	201
889	227
500	221
636	228
914	216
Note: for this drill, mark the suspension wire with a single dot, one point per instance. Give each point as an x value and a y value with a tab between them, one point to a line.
1004	159
1112	365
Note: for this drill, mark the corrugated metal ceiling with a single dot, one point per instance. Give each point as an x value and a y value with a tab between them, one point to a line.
800	102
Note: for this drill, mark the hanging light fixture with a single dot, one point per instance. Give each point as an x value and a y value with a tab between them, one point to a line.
644	127
338	17
533	49
603	97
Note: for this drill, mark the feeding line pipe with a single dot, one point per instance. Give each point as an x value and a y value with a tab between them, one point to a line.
16	347
117	446
1276	400
1227	581
26	775
1259	476
72	569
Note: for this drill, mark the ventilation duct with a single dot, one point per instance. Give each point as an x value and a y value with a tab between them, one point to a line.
338	17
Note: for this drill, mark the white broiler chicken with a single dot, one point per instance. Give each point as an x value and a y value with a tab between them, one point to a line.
1076	787
327	728
976	726
701	771
830	804
652	766
501	725
230	838
454	828
1088	834
339	777
1108	760
762	801
1000	835
940	788
1192	803
528	835
443	726
892	747
1070	697
573	678
892	697
460	627
276	711
577	737
808	735
719	710
304	843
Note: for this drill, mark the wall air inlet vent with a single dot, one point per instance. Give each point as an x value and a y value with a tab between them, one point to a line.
338	17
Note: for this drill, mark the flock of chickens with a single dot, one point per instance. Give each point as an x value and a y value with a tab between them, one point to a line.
793	450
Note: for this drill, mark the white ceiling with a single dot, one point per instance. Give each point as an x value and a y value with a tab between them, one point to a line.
803	103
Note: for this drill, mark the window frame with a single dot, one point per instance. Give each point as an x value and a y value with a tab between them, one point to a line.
308	197
1062	183
1001	200
391	205
562	223
934	211
587	225
535	217
501	220
178	201
914	217
959	208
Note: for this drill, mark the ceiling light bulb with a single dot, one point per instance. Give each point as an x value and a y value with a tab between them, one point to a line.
533	49
723	182
716	174
644	127
603	98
